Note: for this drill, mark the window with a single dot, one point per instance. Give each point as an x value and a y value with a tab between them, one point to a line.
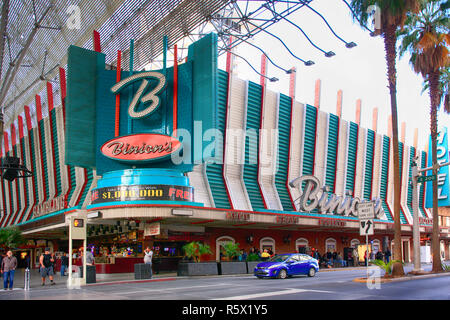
219	245
354	243
330	245
301	244
267	243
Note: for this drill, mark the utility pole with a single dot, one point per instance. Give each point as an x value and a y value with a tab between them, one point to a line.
416	178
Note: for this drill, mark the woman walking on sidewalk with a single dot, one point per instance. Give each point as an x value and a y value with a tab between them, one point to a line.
9	265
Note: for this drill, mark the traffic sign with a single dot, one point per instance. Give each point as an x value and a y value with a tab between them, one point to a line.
426	178
366	210
366	227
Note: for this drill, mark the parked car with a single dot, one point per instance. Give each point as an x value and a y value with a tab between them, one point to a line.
282	266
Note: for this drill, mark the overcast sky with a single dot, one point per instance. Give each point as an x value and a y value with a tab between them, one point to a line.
360	72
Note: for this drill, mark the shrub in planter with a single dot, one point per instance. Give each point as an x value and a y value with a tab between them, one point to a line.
231	251
192	266
387	267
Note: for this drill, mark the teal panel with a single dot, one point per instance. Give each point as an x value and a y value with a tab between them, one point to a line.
26	180
333	136
309	148
44	158
90	178
56	152
250	173
83	68
423	164
385	177
33	164
206	80
351	156
410	189
400	154
284	128
214	170
73	182
368	172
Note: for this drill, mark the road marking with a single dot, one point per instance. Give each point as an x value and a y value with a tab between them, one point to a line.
175	289
269	294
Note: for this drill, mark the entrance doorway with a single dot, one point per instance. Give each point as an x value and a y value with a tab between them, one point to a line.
405	250
23	258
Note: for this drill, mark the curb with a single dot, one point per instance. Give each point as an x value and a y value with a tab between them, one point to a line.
129	281
405	278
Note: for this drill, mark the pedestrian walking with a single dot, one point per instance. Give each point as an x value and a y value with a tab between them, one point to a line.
9	265
148	256
387	255
355	257
64	264
46	266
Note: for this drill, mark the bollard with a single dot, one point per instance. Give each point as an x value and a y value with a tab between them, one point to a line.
27	279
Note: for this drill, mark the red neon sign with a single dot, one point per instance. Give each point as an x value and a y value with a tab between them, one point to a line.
140	147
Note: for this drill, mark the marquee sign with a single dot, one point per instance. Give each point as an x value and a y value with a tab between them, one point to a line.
49	206
286	220
311	199
238	216
140	147
142	192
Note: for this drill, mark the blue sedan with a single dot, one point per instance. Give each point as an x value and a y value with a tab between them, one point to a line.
285	265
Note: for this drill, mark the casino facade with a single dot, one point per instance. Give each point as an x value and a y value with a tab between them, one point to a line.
193	153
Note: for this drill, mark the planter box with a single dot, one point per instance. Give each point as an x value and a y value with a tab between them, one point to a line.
251	265
235	267
197	268
142	271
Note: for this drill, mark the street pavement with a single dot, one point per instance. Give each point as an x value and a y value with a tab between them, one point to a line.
326	285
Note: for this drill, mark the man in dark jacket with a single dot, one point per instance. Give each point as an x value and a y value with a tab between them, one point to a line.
9	265
64	264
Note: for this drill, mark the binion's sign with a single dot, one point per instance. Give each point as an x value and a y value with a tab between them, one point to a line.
141	147
443	179
314	196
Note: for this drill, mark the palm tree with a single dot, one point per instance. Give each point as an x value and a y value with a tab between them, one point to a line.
427	36
392	17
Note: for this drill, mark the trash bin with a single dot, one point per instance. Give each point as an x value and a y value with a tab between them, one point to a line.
142	271
90	274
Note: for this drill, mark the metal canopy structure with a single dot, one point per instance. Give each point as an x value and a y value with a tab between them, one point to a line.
37	34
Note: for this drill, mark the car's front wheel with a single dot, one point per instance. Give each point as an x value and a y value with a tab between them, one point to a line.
312	272
282	274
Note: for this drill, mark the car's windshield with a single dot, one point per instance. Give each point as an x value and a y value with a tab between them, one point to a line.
279	258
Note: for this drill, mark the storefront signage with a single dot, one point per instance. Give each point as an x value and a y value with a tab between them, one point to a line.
140	147
332	223
49	206
142	192
152	229
286	220
443	179
239	216
425	221
180	212
311	199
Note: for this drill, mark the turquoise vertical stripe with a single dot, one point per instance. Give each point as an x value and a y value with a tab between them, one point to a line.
410	189
384	177
56	151
44	158
33	164
284	128
332	151
214	171
369	164
400	154
309	147
90	178
423	164
27	186
250	173
351	156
